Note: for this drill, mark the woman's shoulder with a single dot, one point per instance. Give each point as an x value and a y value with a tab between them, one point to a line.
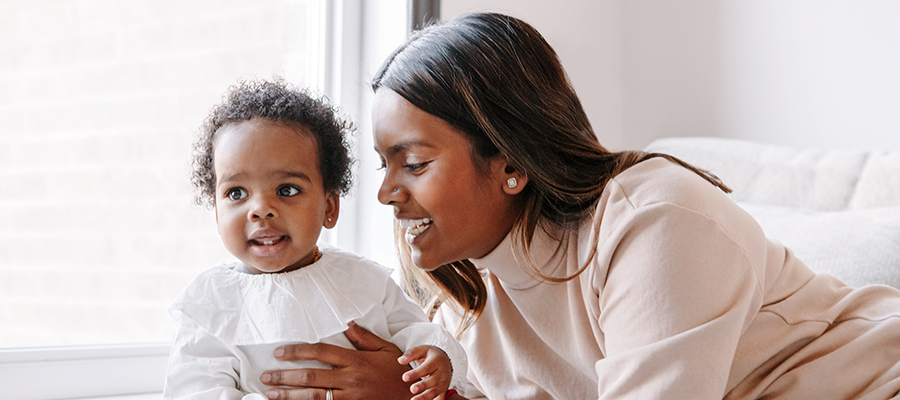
658	189
660	181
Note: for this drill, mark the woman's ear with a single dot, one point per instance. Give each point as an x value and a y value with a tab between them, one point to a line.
514	181
332	209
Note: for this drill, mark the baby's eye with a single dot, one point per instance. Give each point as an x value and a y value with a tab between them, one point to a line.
288	191
236	194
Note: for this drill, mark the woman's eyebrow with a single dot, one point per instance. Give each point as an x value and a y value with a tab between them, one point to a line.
404	146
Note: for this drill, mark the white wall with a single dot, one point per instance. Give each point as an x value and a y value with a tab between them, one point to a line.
587	36
792	72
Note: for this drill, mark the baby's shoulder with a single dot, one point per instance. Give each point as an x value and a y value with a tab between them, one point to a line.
339	258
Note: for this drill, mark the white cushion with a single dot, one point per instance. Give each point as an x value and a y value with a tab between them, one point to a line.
760	173
837	210
879	182
858	247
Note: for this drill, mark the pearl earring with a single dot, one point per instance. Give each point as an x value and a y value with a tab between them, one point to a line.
511	182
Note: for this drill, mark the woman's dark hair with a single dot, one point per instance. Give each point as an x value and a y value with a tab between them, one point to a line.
279	101
497	81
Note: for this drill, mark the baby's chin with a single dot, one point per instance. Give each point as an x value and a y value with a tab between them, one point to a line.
269	269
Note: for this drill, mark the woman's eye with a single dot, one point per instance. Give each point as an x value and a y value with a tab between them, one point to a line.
417	166
288	191
236	194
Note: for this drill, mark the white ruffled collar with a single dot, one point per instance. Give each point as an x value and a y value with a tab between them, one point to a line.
305	305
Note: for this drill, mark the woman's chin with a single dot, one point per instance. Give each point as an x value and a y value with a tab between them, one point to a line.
423	263
428	264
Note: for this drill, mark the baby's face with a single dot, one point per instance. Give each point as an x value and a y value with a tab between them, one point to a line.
270	201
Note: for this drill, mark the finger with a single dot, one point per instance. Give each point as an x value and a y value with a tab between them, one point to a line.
426	395
362	339
321	352
429	382
426	367
298	394
421	371
301	378
415	353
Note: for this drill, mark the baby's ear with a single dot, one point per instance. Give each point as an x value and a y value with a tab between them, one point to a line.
332	210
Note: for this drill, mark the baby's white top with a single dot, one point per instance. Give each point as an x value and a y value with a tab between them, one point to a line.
229	323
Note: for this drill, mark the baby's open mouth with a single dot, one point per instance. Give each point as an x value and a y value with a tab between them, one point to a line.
269	241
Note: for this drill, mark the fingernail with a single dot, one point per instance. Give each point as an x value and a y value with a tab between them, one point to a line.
279	352
272	394
265	378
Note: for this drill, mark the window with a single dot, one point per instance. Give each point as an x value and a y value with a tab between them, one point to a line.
101	101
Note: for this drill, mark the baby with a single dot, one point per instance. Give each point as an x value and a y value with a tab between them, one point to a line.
273	162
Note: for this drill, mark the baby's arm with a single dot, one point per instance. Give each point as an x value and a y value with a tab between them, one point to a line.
410	330
200	366
433	372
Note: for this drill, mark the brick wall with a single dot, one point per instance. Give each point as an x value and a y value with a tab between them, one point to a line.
99	102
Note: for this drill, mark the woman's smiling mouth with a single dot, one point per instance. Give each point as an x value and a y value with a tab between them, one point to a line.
414	227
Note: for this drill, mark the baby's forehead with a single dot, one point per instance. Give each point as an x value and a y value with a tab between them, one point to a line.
262	124
267	136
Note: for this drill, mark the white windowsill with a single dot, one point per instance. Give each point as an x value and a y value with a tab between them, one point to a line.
114	372
145	396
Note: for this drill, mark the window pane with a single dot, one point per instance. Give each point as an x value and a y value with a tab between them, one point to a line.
100	103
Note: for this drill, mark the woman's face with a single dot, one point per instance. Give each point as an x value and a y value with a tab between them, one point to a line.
451	208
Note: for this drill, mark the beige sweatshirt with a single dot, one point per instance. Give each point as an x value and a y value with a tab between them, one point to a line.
685	299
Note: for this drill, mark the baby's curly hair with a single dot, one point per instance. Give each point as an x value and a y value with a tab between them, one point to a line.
280	101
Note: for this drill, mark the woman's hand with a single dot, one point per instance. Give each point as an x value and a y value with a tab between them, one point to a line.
369	372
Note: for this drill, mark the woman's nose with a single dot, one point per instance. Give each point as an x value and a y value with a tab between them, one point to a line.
389	193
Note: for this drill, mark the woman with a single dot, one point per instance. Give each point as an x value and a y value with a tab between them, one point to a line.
571	272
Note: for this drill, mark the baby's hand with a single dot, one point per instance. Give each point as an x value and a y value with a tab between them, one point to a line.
433	372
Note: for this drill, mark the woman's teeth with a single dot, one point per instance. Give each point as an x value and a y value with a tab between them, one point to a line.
415	226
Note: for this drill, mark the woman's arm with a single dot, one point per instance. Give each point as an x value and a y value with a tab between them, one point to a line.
680	290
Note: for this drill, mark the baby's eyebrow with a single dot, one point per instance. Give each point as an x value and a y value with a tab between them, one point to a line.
294	174
229	178
280	174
